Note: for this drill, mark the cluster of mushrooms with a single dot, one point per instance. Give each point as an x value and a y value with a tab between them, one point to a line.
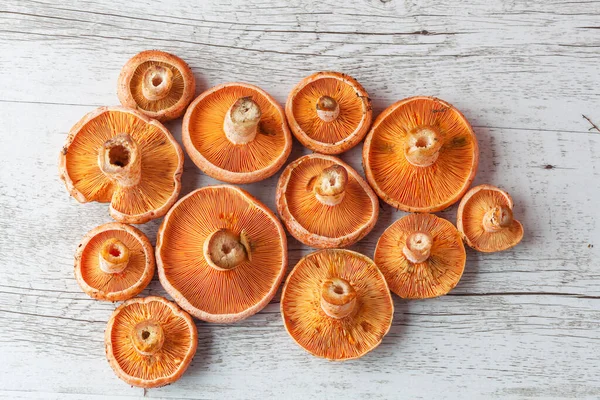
221	254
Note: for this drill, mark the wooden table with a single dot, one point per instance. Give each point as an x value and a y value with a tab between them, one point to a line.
521	324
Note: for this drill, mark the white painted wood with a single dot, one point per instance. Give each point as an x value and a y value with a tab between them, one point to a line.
521	324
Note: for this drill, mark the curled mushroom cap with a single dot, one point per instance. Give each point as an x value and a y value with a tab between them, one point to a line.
324	203
118	155
237	133
329	112
421	256
150	341
421	155
158	84
114	262
485	219
221	254
336	304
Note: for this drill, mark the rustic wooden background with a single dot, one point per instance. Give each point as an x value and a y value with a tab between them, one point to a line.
521	324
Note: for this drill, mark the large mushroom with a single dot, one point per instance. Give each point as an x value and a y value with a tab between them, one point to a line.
120	156
421	155
221	254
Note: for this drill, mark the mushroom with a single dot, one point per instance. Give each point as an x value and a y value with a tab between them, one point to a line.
118	155
421	256
324	203
485	219
150	341
421	155
158	84
329	112
237	133
221	254
114	262
336	304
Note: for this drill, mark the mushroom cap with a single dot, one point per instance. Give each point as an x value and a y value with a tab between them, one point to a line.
420	189
119	286
336	339
207	145
173	105
334	137
471	211
319	225
161	164
434	277
170	362
206	293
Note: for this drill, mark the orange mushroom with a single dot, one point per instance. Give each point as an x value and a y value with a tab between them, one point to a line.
221	254
421	155
120	156
329	112
150	341
114	262
336	304
237	133
421	256
324	203
485	219
158	84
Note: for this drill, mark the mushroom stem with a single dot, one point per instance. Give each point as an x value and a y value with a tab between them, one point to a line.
113	256
418	247
147	337
330	186
241	121
338	298
497	218
327	108
120	160
224	250
157	82
423	146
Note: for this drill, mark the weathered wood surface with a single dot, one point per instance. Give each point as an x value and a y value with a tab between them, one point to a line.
521	324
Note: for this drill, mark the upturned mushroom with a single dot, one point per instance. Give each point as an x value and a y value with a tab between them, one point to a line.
158	84
237	133
336	304
421	155
325	203
150	342
221	254
421	256
114	262
329	112
485	219
118	155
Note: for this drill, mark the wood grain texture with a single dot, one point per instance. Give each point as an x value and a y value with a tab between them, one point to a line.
521	324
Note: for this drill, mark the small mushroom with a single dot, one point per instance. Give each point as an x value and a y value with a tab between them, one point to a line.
221	254
485	219
237	133
336	304
329	112
421	155
324	203
421	256
150	341
118	155
114	262
158	84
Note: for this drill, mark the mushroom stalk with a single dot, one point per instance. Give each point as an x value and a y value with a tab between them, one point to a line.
327	109
338	298
241	121
498	218
120	160
147	337
423	146
157	82
224	250
418	247
330	186
113	256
